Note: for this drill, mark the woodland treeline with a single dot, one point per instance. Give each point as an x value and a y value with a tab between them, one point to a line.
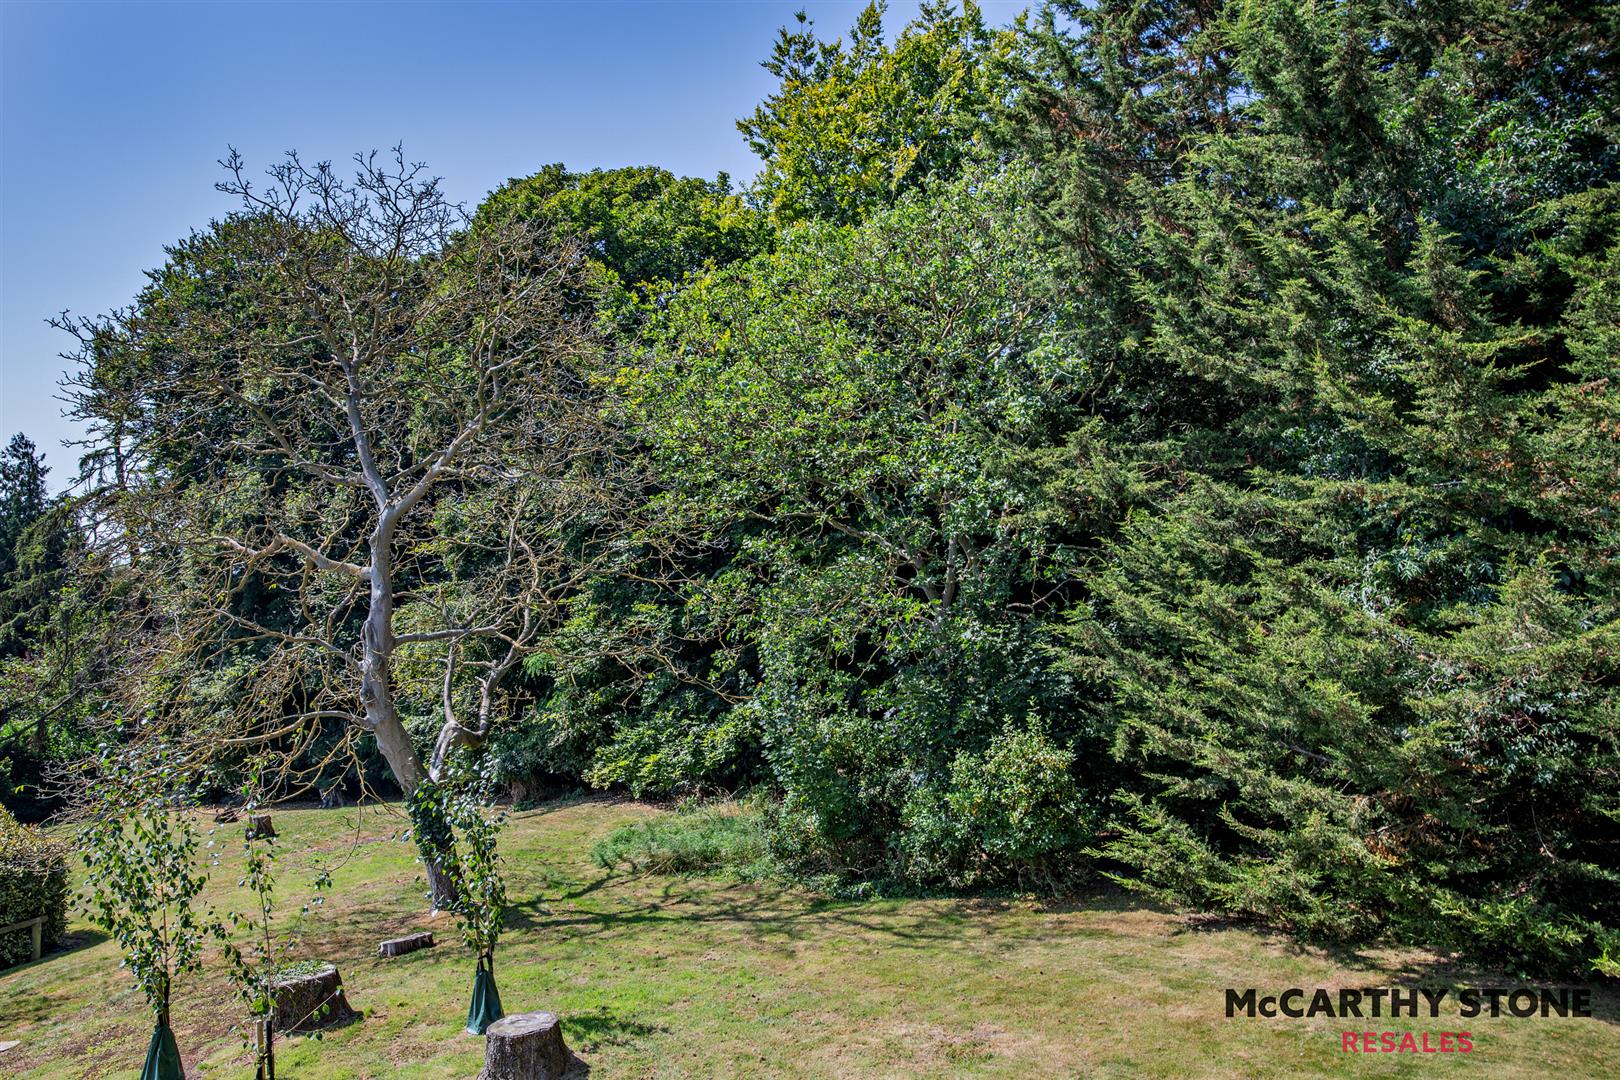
1175	441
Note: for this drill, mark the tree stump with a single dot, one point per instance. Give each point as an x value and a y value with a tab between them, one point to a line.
407	944
525	1046
307	1002
259	827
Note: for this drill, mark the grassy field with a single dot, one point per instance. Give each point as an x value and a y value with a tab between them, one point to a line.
659	976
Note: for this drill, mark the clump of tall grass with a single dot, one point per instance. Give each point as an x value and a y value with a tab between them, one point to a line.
698	838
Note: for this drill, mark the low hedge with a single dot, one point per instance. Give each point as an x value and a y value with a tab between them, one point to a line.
33	882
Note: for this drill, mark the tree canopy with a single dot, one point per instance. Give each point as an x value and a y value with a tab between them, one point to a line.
1173	442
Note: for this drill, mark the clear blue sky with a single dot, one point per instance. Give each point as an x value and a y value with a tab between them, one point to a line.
112	116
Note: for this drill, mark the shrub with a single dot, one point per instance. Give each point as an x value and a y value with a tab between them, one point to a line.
33	882
1011	815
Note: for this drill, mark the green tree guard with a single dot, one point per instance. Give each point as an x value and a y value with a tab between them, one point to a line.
486	999
162	1055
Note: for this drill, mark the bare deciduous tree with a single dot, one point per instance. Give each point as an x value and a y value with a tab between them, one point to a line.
349	430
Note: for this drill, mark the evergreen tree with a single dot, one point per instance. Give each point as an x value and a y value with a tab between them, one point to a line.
41	715
23	501
1356	288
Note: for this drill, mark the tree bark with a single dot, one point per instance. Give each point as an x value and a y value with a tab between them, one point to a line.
377	692
311	1001
525	1046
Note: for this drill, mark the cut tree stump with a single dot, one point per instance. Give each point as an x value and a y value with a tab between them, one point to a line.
259	827
525	1046
407	944
307	1002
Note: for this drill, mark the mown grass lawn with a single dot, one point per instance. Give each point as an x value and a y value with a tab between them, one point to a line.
680	977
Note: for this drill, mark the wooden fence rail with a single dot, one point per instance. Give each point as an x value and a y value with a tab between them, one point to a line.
37	925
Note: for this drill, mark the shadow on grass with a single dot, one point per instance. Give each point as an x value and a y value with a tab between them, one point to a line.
601	1026
773	912
791	913
69	943
1417	969
76	940
316	1030
540	808
1453	974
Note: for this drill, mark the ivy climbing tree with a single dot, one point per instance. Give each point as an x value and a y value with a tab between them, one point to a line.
456	833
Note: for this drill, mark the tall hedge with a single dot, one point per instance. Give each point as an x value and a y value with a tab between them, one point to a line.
33	882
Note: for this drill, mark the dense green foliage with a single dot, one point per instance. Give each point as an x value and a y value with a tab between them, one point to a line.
645	228
33	882
853	126
23	501
1360	642
1174	441
41	724
843	418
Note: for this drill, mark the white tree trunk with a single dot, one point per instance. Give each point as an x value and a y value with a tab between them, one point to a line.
377	693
